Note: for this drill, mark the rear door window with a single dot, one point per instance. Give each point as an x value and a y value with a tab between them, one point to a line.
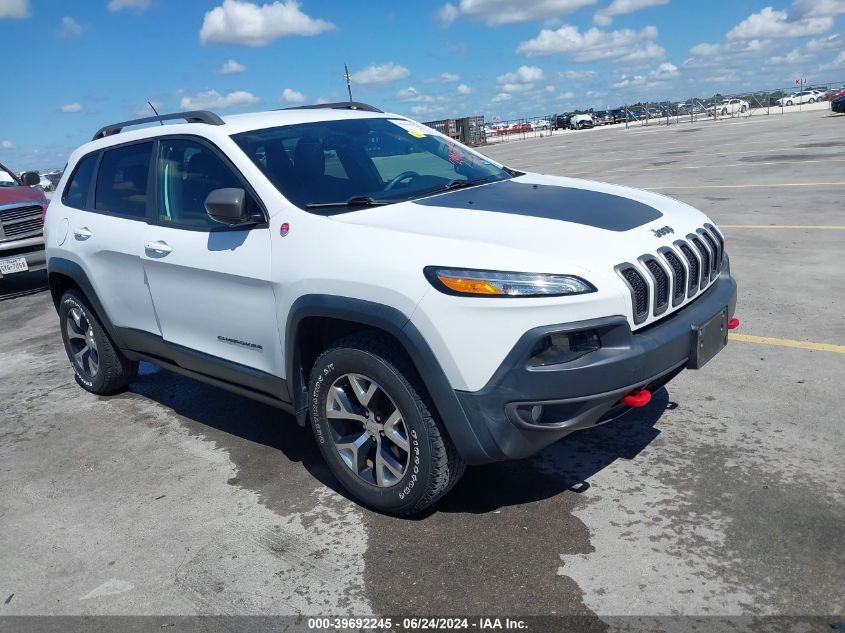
78	189
122	181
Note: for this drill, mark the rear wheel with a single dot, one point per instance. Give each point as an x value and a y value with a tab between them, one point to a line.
811	100
744	109
376	428
99	366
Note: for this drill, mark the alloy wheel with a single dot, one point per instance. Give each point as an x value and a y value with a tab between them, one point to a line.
83	346
368	430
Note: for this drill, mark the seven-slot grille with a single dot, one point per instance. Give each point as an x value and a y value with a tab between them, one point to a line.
18	222
676	273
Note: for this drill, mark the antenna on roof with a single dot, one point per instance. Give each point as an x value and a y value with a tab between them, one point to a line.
150	103
348	81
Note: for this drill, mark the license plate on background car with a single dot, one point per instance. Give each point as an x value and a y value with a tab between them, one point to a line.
708	340
13	265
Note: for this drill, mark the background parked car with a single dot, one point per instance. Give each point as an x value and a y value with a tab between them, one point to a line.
797	98
838	104
604	117
728	107
562	121
581	121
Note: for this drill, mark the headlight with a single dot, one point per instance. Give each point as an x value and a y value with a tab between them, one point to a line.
490	283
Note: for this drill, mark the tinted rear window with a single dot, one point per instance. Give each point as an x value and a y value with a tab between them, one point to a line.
122	181
76	191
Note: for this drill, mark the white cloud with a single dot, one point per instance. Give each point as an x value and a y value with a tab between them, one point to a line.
659	75
447	14
769	23
427	109
249	24
502	97
523	74
665	71
446	78
120	5
380	74
577	75
322	100
6	144
495	12
70	27
624	45
564	96
836	64
231	67
72	107
605	16
463	89
516	87
213	100
411	94
817	8
14	8
289	95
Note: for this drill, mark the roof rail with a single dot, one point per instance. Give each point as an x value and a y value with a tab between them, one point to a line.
196	116
342	105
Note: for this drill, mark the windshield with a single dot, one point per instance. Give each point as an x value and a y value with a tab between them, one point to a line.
337	165
7	179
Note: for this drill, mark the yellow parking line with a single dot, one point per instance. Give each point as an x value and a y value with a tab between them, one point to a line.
782	226
841	183
786	342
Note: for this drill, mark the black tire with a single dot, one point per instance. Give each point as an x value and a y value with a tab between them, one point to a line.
811	100
789	103
114	371
433	465
744	109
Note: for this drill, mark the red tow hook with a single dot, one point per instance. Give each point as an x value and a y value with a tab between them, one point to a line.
733	324
637	398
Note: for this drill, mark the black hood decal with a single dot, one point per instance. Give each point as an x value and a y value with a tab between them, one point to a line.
591	208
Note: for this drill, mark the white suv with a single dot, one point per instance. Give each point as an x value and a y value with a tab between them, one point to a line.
421	306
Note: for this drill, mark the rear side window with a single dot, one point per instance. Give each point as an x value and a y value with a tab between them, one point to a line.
77	190
122	181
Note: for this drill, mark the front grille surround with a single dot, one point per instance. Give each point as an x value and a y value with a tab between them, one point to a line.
660	282
675	274
678	274
638	287
705	257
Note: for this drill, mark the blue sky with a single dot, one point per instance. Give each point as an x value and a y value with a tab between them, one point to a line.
76	66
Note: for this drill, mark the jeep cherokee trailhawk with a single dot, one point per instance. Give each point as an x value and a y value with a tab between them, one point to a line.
421	306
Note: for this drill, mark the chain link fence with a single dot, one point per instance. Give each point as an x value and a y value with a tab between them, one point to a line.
718	107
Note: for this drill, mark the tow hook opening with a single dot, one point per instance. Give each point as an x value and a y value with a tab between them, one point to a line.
638	398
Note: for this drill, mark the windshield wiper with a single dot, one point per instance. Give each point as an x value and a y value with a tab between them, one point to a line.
354	201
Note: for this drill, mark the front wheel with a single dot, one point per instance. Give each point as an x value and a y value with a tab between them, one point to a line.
788	103
99	366
811	101
376	428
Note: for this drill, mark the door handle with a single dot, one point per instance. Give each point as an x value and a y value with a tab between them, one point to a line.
158	247
82	233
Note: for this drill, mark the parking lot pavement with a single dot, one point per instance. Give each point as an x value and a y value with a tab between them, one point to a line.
724	496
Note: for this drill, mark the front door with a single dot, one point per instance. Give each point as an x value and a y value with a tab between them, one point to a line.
210	284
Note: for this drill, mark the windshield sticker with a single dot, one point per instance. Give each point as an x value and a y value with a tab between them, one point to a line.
413	129
6	177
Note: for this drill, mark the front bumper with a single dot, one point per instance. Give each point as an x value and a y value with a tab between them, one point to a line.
587	391
30	248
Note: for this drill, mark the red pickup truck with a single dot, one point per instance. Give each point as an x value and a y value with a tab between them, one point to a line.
22	210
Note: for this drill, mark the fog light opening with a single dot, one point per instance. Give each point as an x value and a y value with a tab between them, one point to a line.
537	413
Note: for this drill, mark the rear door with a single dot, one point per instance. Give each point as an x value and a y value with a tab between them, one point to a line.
210	283
105	205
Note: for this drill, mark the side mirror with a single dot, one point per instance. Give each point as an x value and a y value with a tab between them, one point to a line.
31	178
227	206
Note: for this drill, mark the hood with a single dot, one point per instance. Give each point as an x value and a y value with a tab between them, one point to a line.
581	222
11	195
